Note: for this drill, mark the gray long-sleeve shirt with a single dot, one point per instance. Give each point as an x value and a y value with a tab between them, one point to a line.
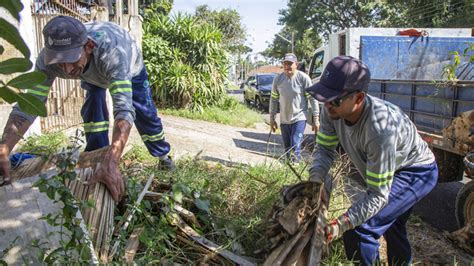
115	59
290	94
381	142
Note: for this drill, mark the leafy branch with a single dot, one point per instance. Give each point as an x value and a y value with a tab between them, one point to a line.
12	91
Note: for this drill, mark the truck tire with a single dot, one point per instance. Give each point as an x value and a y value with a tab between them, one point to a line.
464	208
450	165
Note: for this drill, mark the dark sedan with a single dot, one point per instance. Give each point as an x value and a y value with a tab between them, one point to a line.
257	89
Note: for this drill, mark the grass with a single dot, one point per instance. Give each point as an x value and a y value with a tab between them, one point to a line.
228	112
44	144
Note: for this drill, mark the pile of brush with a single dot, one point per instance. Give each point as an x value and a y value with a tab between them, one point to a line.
293	235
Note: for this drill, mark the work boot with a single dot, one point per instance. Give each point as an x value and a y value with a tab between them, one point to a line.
166	164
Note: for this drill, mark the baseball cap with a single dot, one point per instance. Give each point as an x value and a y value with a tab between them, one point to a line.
290	57
64	38
343	74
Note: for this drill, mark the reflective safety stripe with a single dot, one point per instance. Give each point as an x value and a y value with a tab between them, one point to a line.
39	90
325	140
156	137
275	95
120	86
379	180
307	94
96	126
327	137
327	143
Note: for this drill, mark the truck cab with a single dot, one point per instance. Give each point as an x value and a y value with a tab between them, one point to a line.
407	70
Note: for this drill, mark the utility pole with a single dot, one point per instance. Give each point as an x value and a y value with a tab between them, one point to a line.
289	41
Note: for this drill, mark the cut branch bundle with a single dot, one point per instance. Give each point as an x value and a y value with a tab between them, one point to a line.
293	234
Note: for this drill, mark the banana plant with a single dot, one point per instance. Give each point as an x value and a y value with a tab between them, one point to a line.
12	90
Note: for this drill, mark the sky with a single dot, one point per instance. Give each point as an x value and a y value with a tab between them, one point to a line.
260	17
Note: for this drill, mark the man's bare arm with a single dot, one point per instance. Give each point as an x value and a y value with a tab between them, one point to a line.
109	173
14	130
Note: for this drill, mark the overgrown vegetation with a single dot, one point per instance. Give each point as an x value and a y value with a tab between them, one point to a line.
186	61
228	111
45	144
240	198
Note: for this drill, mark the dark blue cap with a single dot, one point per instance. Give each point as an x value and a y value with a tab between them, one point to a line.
343	74
64	38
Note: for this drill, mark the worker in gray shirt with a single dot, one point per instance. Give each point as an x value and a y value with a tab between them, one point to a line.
397	166
103	56
288	92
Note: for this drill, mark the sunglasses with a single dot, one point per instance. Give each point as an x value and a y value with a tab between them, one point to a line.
337	102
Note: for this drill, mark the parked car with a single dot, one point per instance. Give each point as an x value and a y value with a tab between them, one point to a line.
257	90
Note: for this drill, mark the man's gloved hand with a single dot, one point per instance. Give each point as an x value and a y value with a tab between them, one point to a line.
4	166
336	227
273	123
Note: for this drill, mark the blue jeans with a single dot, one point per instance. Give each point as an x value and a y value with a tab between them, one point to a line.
95	115
292	135
409	186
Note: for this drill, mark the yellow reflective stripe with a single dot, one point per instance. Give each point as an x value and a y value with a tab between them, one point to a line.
121	90
156	137
120	82
96	126
380	176
326	143
99	129
327	137
120	86
275	95
307	94
378	184
380	179
96	123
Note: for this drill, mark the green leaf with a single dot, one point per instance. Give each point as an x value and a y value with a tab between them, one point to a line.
11	35
202	205
178	195
13	6
32	105
8	95
15	65
27	80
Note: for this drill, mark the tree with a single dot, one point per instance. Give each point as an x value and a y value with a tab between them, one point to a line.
162	7
228	21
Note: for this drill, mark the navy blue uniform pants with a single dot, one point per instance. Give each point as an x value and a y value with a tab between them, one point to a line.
409	186
292	135
96	117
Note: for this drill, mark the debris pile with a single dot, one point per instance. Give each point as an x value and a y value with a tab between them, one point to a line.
293	234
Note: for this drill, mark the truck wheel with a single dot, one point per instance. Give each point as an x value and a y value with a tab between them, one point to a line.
464	207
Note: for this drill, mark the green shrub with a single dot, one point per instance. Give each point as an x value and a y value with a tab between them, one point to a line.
186	62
